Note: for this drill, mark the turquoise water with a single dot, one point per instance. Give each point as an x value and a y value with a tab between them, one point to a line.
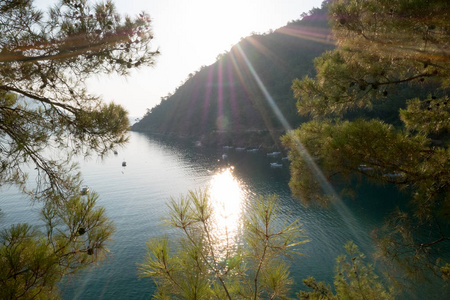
135	199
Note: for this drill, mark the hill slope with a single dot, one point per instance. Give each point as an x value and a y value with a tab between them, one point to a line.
235	100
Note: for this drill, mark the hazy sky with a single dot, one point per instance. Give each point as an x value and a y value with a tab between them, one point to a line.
189	34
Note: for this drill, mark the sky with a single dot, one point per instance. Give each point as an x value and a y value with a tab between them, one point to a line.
189	34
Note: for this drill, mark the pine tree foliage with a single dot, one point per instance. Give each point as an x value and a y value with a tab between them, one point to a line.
33	261
45	60
46	117
383	45
354	279
201	264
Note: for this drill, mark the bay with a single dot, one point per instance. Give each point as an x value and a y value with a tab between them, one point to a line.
135	198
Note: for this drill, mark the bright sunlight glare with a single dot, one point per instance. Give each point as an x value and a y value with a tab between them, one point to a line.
227	196
189	35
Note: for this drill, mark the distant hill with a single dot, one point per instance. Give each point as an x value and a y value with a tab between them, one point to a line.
232	101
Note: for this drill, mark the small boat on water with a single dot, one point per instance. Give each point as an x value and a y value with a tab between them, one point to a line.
273	154
124	164
275	165
84	190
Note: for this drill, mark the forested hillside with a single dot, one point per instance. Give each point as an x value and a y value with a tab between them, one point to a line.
235	100
225	102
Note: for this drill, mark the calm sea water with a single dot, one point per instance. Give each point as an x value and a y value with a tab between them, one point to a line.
135	199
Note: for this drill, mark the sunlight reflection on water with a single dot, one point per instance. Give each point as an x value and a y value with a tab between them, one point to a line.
228	196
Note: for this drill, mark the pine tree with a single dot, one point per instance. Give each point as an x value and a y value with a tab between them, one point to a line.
383	46
46	117
354	279
202	264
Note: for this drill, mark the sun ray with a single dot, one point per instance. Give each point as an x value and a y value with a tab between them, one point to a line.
263	89
191	111
314	34
220	116
253	91
206	103
233	102
278	61
327	188
237	68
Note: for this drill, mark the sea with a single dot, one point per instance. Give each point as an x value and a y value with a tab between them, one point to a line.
157	170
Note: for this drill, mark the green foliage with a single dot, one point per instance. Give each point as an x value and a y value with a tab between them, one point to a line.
204	265
371	148
24	254
384	47
46	117
381	44
34	261
45	60
353	280
427	116
445	270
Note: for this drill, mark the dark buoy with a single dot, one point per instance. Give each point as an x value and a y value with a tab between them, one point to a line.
85	190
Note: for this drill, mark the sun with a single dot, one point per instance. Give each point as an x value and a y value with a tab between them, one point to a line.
221	24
